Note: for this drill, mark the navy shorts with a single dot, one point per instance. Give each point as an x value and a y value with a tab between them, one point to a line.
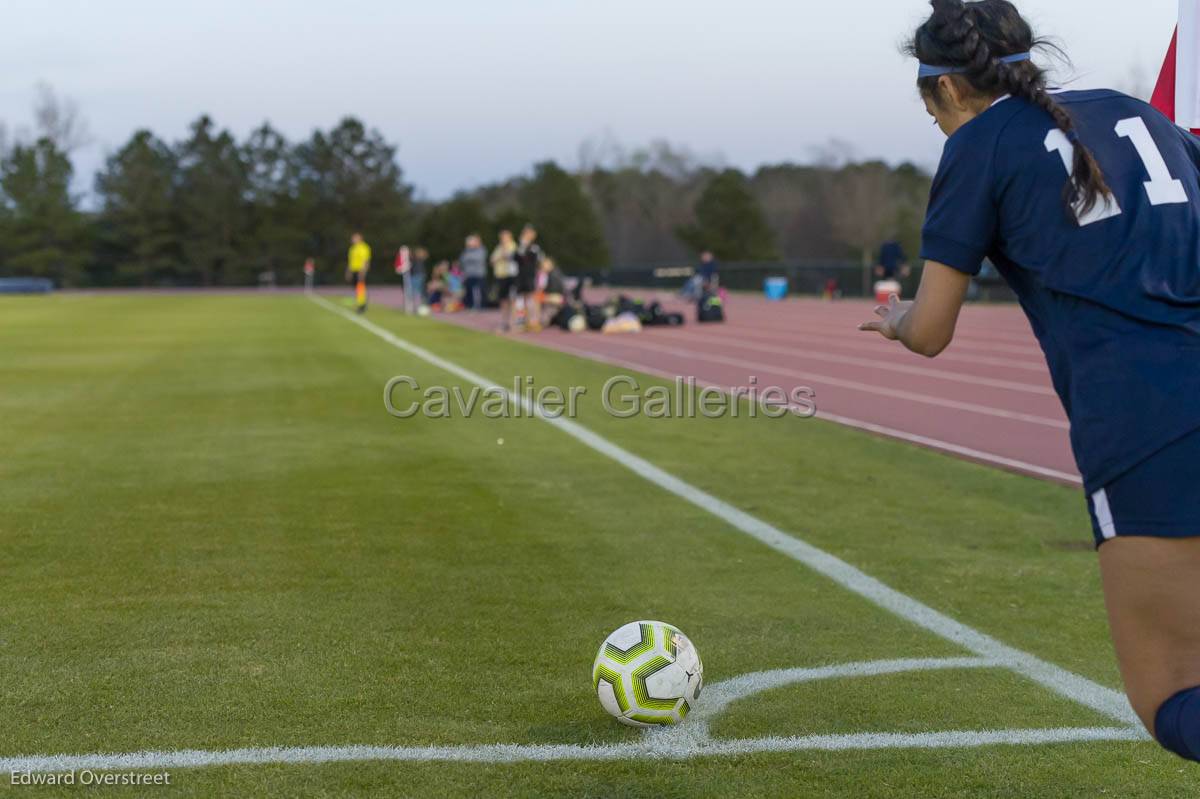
1158	498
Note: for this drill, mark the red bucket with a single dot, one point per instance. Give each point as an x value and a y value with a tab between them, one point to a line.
885	289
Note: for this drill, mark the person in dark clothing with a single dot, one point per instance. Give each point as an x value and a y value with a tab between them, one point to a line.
704	280
416	278
709	277
893	262
474	263
551	294
529	261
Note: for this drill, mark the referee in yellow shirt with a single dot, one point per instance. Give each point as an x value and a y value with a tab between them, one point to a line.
358	263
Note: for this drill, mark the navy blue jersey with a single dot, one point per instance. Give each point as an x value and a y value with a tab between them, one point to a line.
891	258
1113	295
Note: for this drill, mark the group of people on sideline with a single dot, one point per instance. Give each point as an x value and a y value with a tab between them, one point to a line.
526	284
530	287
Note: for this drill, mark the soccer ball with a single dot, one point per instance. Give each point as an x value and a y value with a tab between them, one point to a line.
647	674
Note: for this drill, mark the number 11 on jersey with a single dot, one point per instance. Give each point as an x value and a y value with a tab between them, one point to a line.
1161	188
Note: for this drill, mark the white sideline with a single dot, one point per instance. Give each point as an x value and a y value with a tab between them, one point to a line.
1080	689
515	753
687	741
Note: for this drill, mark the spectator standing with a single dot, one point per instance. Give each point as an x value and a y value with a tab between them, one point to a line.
504	270
474	262
893	263
529	263
416	278
709	272
310	272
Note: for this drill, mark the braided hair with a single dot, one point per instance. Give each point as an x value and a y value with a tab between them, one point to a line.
974	36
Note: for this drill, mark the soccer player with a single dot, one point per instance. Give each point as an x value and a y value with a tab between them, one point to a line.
1088	203
358	263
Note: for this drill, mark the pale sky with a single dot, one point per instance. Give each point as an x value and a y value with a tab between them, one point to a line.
476	90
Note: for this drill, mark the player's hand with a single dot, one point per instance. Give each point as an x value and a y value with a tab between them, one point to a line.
891	315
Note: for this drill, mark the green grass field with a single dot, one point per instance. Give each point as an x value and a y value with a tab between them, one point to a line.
214	537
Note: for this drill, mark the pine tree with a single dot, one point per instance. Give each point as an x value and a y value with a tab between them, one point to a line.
444	228
44	231
349	181
212	204
137	192
276	239
730	223
567	223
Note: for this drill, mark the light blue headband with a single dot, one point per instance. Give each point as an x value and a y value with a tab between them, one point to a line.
927	71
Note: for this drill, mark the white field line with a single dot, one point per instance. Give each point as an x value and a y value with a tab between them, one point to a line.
872	363
990	458
687	741
1073	686
875	390
718	696
542	753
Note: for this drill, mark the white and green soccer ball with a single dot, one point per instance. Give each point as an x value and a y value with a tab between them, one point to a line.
648	674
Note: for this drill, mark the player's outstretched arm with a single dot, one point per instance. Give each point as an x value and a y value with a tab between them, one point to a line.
926	325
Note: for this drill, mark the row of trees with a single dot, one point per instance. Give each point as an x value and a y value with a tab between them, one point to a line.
210	209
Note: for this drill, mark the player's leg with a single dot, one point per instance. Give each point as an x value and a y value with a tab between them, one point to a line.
1152	590
360	292
504	299
1148	524
533	311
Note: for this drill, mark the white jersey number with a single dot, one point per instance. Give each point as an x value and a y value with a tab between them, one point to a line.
1161	188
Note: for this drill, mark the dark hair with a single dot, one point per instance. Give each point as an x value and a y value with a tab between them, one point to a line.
975	36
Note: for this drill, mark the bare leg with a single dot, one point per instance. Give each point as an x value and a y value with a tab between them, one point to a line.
533	313
1152	590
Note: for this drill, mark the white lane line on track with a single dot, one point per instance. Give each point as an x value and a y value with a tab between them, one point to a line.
873	363
990	458
1073	686
816	380
964	340
688	741
954	354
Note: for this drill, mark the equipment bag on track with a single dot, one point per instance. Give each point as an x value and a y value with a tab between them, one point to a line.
710	309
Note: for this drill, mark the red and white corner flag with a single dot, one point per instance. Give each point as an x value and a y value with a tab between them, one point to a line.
1178	91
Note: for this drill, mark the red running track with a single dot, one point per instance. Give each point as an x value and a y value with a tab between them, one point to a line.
988	398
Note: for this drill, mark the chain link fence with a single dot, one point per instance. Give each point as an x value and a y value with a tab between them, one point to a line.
839	278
